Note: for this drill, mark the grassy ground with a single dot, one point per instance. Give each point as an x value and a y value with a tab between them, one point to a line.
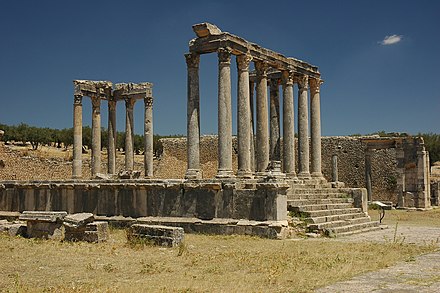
429	218
202	264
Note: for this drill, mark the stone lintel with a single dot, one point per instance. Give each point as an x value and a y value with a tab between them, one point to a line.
91	88
239	46
133	90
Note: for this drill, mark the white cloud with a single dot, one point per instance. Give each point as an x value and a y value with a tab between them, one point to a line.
390	40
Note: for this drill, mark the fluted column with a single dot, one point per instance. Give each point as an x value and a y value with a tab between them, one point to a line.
252	135
244	117
315	126
96	135
111	153
288	125
303	128
262	141
129	152
148	137
193	117
77	137
224	114
274	121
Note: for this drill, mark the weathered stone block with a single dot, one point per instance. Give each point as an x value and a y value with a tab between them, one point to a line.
156	234
92	232
42	224
78	220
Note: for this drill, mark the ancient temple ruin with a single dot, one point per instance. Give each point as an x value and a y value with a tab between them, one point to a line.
272	68
267	185
103	90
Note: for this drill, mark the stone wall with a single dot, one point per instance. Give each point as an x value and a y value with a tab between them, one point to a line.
351	162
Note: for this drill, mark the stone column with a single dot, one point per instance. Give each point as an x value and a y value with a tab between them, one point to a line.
148	137
303	128
315	126
244	117
224	114
129	152
77	137
193	117
111	153
274	121
252	135
335	168
262	141
288	125
96	135
368	183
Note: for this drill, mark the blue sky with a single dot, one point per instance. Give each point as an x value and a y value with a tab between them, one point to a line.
371	83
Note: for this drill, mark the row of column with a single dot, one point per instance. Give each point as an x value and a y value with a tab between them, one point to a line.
266	149
96	136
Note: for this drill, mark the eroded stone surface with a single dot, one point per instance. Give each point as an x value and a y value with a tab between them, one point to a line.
156	234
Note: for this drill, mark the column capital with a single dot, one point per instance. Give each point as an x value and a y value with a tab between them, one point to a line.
243	62
261	67
274	83
148	101
129	102
224	56
111	105
192	60
287	77
315	84
96	101
303	83
77	100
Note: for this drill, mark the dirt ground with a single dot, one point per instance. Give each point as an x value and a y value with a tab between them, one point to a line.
419	274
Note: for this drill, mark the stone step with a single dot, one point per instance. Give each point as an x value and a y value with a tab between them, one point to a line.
316	195
319	220
353	228
303	202
364	230
339	223
313	191
323	213
317	207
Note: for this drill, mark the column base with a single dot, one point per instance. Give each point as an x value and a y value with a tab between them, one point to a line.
304	175
193	174
245	174
224	174
291	175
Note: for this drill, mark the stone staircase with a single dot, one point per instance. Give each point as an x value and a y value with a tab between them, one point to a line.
328	211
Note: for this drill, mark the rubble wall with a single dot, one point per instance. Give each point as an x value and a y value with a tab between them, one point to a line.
351	162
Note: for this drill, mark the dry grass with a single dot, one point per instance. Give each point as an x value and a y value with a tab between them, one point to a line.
202	264
429	218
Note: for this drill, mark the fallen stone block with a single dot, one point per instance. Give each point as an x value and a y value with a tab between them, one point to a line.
13	228
78	220
45	225
156	234
92	232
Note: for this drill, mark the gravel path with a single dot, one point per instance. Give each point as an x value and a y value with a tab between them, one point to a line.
420	275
